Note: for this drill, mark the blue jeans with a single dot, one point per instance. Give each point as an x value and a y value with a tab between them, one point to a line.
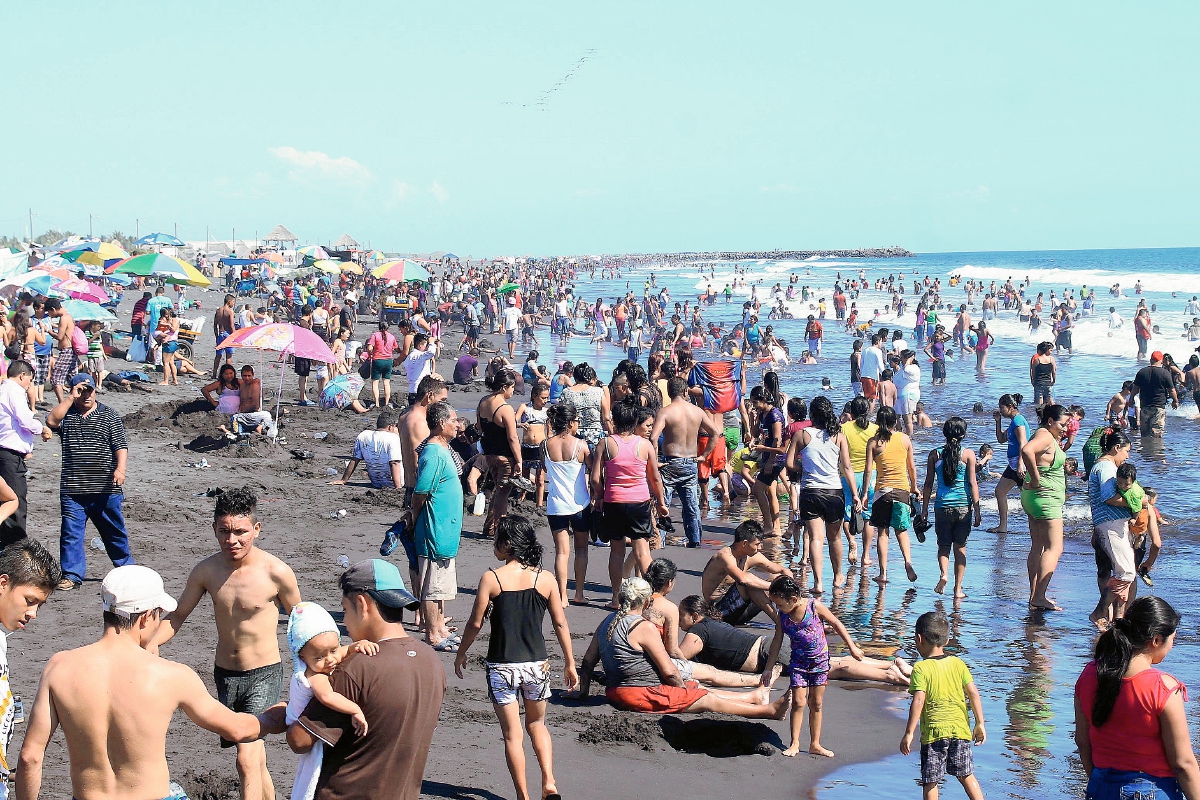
1115	784
104	510
679	475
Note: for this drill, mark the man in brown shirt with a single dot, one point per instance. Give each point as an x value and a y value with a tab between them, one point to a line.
400	691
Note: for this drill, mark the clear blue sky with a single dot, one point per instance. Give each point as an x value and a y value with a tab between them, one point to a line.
951	126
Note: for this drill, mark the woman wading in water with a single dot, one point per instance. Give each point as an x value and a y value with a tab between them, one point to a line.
1043	497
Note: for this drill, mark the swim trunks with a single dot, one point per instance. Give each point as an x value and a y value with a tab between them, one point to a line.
506	682
250	691
870	388
736	609
891	509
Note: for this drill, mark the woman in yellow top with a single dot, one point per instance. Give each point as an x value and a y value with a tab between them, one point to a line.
858	431
890	452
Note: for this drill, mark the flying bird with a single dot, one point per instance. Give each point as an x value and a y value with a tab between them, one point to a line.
542	100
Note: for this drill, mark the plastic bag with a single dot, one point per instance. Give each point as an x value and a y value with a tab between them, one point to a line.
137	350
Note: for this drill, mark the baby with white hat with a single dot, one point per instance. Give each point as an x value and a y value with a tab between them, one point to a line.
316	648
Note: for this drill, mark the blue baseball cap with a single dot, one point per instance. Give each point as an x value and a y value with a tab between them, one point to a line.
81	378
381	580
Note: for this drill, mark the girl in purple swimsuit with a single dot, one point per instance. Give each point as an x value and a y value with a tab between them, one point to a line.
803	621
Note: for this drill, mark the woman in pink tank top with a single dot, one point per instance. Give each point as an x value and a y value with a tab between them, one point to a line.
626	476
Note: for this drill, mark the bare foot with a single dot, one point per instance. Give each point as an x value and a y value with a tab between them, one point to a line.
997	529
868	562
839	581
1044	604
960	595
1100	621
941	585
792	751
912	573
902	665
817	591
816	750
880	579
776	671
164	383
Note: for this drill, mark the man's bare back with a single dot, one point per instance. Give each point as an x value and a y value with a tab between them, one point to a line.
413	430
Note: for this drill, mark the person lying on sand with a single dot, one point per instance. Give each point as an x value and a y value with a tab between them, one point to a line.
640	676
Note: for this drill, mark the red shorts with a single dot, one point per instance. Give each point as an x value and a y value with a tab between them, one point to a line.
655	699
717	460
870	388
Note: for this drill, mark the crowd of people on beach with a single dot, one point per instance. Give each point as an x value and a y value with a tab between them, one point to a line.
603	461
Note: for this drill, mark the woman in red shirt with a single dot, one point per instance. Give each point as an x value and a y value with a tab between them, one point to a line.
1130	724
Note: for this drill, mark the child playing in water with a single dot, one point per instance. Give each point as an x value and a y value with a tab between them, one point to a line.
315	644
940	686
982	462
803	621
1145	522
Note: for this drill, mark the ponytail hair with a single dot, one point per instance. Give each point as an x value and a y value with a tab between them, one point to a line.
697	606
633	592
886	419
1010	400
955	430
517	535
860	409
820	411
1113	437
1145	618
660	573
500	380
1052	413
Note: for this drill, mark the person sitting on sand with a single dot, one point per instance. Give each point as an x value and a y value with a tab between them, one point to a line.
740	601
707	640
640	676
250	416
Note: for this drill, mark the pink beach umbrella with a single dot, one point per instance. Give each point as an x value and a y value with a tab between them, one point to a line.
282	338
82	290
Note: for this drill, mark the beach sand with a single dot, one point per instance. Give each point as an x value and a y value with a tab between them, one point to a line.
599	752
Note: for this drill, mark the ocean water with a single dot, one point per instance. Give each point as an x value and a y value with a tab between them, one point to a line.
1024	664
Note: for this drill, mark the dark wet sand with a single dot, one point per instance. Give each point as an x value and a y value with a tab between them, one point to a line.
170	530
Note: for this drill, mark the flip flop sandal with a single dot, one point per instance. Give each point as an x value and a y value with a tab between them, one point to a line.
447	645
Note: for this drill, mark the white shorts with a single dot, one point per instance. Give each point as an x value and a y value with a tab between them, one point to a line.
436	579
1114	540
530	679
685	668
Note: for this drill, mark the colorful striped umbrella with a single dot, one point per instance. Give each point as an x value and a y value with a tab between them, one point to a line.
313	251
376	255
402	270
104	253
283	338
158	265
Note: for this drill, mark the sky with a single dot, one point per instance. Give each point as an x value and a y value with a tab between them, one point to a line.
683	126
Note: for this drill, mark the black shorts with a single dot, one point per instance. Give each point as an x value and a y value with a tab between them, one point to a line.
621	520
1012	475
531	455
794	475
579	522
769	475
250	691
952	525
303	367
825	504
889	510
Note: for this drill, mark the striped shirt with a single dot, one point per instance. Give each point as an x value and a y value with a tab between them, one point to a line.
89	451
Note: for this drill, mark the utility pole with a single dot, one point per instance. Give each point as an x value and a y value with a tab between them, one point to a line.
206	237
137	229
176	230
89	226
31	226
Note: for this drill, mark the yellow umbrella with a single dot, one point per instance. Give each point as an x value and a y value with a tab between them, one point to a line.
328	266
352	268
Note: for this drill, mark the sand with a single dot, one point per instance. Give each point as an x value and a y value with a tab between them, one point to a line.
599	752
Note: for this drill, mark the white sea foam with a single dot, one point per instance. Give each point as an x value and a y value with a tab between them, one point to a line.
1097	279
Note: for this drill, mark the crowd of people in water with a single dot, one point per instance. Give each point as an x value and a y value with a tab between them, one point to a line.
605	461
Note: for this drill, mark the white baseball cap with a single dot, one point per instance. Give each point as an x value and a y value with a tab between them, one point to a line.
130	590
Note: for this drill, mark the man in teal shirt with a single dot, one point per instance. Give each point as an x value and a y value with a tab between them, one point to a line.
437	509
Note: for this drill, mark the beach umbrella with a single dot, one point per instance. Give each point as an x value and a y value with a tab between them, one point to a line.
73	243
164	267
328	266
402	270
271	255
313	251
282	338
375	255
340	391
159	238
352	268
82	310
508	287
36	282
119	280
82	290
101	254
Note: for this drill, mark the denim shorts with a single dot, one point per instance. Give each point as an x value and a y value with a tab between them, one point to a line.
1115	784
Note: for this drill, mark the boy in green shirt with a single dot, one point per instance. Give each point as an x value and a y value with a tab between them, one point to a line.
940	686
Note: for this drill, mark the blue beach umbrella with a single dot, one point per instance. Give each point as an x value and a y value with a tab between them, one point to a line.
341	391
159	238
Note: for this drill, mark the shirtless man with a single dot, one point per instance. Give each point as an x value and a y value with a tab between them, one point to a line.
115	699
251	415
961	326
740	602
223	327
680	424
249	587
1114	413
886	389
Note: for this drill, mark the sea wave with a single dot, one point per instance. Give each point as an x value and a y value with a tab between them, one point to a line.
1099	279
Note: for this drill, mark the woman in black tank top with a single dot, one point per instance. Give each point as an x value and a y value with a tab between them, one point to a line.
520	594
